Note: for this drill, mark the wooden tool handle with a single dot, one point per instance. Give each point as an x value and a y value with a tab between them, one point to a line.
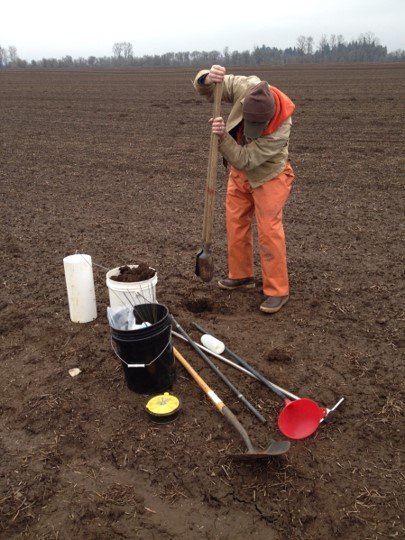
208	219
199	380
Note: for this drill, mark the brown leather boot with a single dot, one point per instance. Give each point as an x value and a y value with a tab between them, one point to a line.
272	304
231	284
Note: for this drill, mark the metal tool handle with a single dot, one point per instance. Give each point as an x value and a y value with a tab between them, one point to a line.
238	427
247	366
330	413
238	394
218	356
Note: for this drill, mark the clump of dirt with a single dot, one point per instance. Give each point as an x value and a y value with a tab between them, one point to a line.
278	355
139	273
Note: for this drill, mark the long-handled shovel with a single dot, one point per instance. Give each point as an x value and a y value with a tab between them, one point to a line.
275	448
204	267
299	418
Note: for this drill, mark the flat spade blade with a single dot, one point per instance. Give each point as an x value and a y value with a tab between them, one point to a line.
204	265
275	448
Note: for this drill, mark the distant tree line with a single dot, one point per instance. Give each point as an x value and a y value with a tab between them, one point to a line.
366	48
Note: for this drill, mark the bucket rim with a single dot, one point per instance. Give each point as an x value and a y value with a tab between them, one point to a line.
124	285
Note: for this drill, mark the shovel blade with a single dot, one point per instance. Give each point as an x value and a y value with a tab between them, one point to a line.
275	448
204	266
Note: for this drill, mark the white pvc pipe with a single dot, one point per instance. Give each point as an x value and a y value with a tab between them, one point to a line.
80	288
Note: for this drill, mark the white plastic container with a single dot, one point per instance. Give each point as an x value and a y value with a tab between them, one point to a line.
123	293
212	343
80	288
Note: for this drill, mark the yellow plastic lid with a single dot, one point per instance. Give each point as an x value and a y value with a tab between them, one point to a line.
163	404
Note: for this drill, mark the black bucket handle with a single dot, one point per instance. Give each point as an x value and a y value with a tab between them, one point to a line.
139	365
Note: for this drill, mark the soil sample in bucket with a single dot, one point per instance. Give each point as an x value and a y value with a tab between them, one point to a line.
131	284
147	353
129	274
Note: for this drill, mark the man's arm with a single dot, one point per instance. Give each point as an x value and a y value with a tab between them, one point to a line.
255	153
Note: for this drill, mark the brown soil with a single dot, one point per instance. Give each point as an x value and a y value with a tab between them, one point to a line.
129	274
113	164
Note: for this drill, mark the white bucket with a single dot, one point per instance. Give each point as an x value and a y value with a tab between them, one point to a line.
130	293
80	288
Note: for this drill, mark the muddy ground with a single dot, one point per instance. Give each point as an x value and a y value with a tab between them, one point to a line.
113	164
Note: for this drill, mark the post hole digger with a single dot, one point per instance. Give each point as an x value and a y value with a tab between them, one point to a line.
204	267
300	417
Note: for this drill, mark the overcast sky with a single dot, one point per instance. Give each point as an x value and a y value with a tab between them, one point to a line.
44	28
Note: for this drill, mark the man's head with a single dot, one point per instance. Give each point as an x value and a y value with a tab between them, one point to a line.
258	110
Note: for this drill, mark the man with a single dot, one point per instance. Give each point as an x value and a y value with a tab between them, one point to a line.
254	143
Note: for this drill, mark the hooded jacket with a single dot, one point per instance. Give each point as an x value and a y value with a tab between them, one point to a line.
263	158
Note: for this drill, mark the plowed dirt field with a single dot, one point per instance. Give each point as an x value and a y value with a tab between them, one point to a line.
113	164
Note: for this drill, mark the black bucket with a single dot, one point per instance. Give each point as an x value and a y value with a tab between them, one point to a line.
146	354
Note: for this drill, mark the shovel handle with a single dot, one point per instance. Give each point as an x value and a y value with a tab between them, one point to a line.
219	404
208	218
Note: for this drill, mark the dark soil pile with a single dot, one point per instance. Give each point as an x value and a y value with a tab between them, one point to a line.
114	164
128	274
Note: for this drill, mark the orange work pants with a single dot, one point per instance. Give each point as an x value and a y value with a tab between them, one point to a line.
266	203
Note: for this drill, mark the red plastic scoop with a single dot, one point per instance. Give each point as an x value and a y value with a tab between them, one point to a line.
299	419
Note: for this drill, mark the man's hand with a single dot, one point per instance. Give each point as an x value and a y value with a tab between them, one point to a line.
216	75
218	127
